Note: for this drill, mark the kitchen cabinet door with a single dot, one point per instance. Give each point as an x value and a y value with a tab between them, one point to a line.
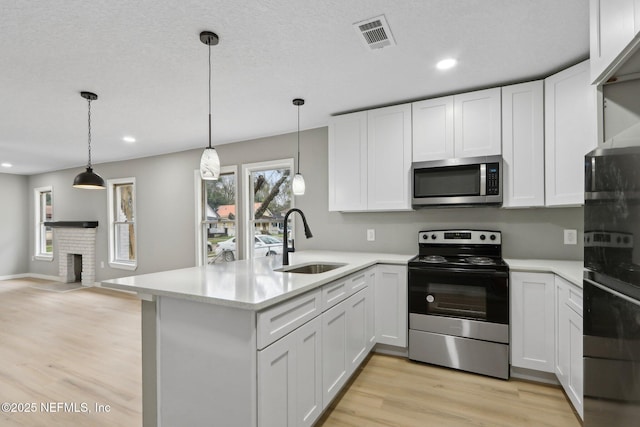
389	158
533	321
290	378
612	29
523	144
477	118
433	129
569	366
562	332
335	365
575	377
357	319
370	276
570	121
348	162
391	305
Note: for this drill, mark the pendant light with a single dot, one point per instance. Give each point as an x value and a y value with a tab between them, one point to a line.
298	185
89	179
209	162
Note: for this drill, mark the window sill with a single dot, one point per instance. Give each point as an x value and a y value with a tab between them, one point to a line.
48	258
123	265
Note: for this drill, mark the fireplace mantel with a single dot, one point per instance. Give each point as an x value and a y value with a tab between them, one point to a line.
71	224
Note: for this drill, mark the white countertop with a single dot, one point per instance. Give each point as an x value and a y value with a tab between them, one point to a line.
568	270
250	284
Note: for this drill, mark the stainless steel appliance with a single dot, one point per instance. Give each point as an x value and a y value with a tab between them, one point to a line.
611	342
467	181
459	302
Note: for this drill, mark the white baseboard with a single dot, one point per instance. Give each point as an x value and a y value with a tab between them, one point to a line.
13	276
31	276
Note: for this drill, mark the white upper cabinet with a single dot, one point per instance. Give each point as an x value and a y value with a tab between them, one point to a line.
348	162
570	121
433	129
389	148
477	123
614	23
463	125
370	160
523	144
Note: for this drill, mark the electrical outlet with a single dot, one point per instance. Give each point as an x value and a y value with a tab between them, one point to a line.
371	234
570	237
101	264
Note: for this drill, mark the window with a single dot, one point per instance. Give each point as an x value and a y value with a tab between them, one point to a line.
268	197
43	234
217	217
122	223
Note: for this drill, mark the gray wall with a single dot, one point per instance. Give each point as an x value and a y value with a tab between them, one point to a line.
14	225
166	210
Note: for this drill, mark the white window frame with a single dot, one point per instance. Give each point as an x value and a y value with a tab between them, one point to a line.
201	250
247	169
113	262
39	228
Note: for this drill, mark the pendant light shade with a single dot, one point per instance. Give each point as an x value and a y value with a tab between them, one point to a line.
298	185
209	162
89	179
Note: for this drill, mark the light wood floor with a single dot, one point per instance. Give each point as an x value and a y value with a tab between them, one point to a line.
75	347
84	347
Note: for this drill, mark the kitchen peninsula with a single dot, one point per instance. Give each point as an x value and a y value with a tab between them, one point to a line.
212	337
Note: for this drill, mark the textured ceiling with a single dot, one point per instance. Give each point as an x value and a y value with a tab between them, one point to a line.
146	63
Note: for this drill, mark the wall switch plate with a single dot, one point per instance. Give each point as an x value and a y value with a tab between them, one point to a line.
371	234
101	264
570	237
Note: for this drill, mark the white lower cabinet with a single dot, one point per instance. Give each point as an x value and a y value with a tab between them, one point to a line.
569	365
546	329
533	321
346	332
391	305
334	351
289	378
301	372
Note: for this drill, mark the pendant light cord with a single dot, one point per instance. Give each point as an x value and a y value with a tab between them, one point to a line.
298	139
89	120
209	95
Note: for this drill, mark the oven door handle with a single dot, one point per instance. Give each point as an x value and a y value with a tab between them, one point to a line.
485	272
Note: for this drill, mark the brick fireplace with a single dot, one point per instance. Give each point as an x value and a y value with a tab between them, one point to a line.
76	243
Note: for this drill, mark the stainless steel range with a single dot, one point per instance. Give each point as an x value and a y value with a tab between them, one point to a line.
459	302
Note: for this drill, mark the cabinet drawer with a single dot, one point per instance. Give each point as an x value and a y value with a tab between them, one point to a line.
335	292
278	321
574	299
357	282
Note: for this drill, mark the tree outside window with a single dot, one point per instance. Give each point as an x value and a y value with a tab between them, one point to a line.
219	217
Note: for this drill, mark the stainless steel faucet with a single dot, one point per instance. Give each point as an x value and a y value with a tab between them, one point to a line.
285	246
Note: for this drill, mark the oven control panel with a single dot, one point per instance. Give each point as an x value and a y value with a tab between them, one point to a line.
457	237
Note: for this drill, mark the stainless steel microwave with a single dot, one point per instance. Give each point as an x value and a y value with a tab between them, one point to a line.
467	181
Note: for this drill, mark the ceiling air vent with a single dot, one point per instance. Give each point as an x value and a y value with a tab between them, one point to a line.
375	32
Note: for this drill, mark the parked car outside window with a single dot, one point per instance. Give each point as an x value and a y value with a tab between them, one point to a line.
265	245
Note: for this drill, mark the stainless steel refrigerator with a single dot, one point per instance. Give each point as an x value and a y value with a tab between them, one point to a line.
611	342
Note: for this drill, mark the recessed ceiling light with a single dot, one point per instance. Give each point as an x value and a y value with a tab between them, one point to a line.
445	64
6	165
128	139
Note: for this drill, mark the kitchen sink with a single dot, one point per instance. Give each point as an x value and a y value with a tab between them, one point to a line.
310	268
